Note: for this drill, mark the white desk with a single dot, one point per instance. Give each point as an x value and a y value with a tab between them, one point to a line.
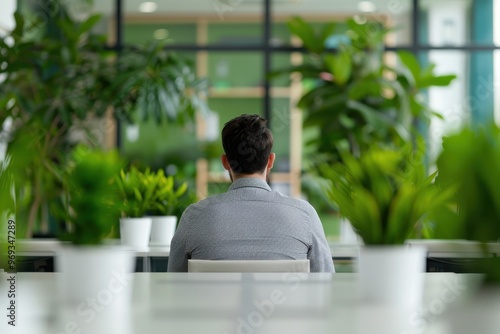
49	247
435	248
243	303
447	253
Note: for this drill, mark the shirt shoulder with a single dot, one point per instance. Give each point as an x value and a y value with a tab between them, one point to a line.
293	202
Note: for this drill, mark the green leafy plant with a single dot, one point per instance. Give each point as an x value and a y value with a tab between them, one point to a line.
355	97
470	162
59	74
167	195
469	165
157	83
384	193
137	191
93	198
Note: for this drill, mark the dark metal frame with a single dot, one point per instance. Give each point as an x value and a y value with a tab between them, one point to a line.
267	49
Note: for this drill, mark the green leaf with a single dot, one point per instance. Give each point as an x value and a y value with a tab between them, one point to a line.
138	195
318	95
372	116
327	31
364	88
443	80
305	32
89	23
18	31
409	60
181	190
340	66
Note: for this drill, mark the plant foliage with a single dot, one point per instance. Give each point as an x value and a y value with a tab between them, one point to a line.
167	195
59	74
137	192
469	165
357	96
93	196
144	192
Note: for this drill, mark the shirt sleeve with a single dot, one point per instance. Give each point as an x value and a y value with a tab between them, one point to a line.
179	253
319	254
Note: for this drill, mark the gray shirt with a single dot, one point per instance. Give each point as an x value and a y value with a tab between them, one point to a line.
250	222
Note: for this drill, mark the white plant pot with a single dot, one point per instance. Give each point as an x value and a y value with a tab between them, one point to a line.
95	272
95	287
392	276
162	230
135	232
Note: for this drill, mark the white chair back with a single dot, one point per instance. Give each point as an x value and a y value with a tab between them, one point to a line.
248	266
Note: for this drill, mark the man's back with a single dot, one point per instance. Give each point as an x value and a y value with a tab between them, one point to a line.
250	222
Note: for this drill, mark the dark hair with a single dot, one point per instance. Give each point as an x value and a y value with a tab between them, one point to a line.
247	142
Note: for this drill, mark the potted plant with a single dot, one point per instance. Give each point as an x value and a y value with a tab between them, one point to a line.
468	165
166	200
92	204
137	195
385	193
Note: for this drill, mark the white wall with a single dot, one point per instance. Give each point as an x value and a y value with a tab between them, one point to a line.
6	24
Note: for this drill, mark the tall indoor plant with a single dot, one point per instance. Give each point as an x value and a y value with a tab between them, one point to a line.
355	93
385	193
59	75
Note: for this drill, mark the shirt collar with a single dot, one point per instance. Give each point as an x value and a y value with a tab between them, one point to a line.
249	182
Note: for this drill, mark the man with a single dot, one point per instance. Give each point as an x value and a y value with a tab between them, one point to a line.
249	221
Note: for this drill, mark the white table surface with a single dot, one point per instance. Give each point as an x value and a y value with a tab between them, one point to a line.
227	303
48	247
435	248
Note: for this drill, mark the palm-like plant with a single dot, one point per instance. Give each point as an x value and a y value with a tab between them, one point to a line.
384	193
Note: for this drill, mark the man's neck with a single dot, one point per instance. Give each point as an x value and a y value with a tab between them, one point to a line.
260	176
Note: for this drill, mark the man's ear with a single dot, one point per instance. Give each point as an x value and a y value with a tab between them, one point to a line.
270	160
225	162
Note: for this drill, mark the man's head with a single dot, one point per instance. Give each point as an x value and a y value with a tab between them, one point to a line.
247	143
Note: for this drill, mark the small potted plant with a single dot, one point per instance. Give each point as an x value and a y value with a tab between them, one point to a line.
91	206
165	201
385	193
137	194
